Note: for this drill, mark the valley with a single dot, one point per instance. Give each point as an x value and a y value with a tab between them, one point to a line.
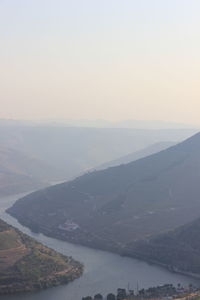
115	208
34	155
99	150
103	271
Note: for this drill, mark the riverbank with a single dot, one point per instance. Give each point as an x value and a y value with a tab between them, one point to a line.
103	271
77	237
165	266
27	266
162	292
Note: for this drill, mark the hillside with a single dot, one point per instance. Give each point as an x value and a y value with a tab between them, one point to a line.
33	156
14	161
178	249
115	207
21	173
136	155
70	151
26	265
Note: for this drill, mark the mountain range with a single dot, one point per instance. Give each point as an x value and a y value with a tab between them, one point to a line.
130	123
114	208
157	147
33	156
20	172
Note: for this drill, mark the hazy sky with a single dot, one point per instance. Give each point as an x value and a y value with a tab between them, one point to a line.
110	59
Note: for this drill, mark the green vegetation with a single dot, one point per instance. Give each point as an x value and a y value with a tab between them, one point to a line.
26	265
8	239
3	226
116	207
178	249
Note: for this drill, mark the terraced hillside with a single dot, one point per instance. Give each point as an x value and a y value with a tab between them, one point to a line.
26	265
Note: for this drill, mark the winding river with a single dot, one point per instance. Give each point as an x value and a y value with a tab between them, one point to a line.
104	272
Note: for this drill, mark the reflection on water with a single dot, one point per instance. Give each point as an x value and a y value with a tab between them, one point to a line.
104	272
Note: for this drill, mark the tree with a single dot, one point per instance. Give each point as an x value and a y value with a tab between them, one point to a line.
98	297
111	297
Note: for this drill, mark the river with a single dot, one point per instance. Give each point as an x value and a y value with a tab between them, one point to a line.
104	272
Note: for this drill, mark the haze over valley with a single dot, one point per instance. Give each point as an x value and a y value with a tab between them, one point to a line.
99	150
33	155
117	206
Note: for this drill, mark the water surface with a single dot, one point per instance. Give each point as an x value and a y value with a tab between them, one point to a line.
104	271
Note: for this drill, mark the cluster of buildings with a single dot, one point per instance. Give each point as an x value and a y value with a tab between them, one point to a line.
161	292
69	226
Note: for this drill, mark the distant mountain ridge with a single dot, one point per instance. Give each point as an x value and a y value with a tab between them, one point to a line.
101	123
120	205
130	123
20	173
70	151
137	155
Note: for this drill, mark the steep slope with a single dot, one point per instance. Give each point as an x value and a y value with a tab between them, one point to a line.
13	183
20	173
136	155
114	207
26	265
12	160
178	249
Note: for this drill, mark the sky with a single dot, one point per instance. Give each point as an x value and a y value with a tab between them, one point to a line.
106	59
